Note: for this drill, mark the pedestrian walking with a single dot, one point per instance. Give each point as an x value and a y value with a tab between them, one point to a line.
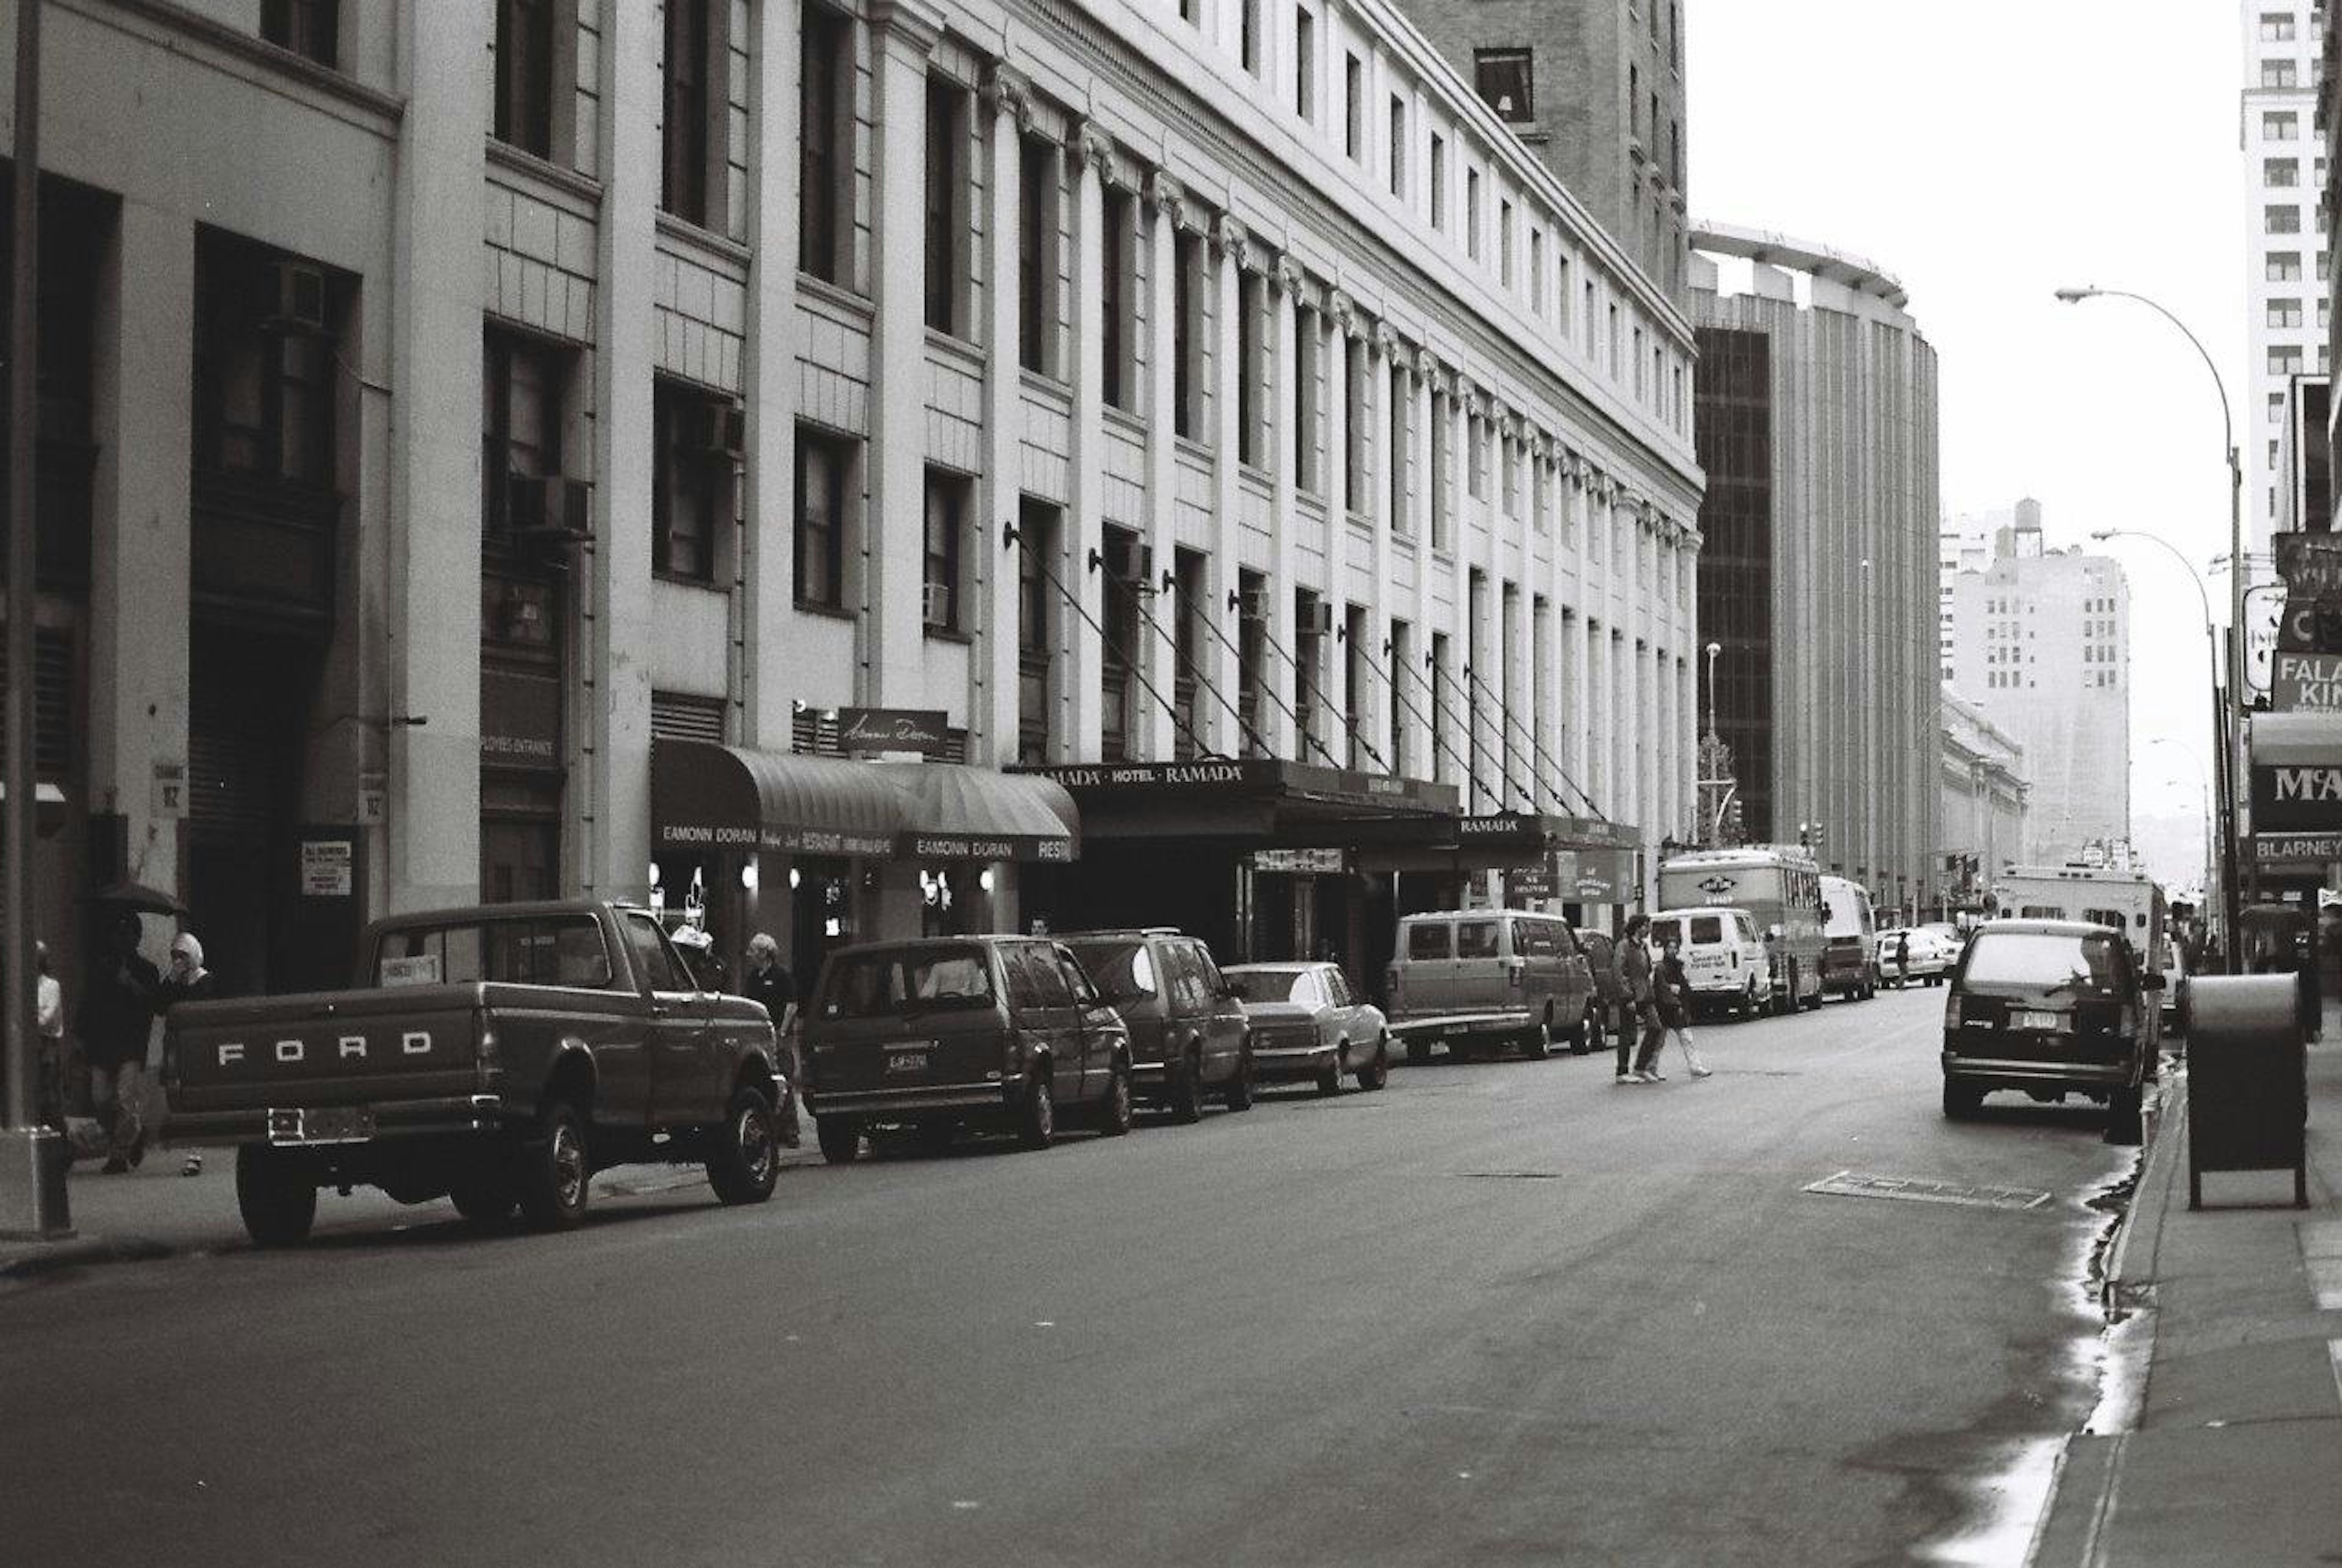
1631	963
1673	987
768	983
1902	952
49	1027
117	1014
188	980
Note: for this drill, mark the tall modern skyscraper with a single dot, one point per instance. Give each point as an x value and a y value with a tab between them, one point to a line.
2287	319
2041	644
1816	426
1595	89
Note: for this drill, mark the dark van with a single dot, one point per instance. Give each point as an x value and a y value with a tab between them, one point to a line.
1188	1037
967	1033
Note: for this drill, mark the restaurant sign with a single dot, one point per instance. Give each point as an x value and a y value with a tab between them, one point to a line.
2297	797
2308	682
2296	848
920	730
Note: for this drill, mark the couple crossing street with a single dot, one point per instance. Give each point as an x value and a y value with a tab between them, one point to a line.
1657	1005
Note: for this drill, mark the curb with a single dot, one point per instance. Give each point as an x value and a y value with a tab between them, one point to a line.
2151	1199
57	1257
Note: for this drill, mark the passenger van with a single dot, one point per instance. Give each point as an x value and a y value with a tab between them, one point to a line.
1476	980
1849	933
1723	955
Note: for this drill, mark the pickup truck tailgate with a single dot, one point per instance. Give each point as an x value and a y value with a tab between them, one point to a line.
342	1048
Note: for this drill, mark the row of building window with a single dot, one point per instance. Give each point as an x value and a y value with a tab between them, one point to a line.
2286	313
2286	219
2285	266
2286	358
2285	172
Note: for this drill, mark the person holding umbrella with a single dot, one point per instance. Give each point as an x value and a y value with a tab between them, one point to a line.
117	1014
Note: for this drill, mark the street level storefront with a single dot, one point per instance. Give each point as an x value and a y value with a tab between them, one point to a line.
1254	855
824	851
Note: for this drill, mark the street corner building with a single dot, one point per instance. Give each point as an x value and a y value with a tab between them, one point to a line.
850	470
1818	582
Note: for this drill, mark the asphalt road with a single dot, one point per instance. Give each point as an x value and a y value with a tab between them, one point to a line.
1501	1312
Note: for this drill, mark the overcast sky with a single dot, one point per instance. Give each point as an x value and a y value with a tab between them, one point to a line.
1987	152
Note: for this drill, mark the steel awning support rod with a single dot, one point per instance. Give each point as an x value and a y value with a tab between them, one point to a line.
1012	538
1472	738
1536	748
1319	693
1299	728
1439	743
1252	735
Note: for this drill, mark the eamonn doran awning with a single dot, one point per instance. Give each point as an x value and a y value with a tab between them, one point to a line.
960	812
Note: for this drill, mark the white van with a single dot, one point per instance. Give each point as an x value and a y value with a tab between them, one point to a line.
1724	956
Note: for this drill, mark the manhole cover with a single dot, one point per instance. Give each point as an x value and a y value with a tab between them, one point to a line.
1511	1176
1912	1190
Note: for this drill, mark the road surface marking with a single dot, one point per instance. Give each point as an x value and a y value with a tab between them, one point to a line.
1916	1189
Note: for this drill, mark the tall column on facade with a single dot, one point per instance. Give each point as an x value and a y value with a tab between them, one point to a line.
1342	500
1373	703
1275	674
1075	722
1166	205
1427	760
993	673
614	819
769	374
433	783
903	35
139	548
1233	257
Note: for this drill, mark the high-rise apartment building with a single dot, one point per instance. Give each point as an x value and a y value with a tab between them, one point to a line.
1966	545
1816	428
1595	88
2288	316
2041	646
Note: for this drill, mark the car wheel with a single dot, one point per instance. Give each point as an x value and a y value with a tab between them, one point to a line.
1187	1091
1330	1077
554	1170
1114	1119
276	1196
839	1138
746	1159
484	1197
2124	1124
1036	1119
1581	1039
1375	1074
1961	1100
1239	1094
1537	1042
1417	1053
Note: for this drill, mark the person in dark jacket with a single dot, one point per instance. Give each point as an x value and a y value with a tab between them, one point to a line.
768	983
1671	983
1630	962
117	1012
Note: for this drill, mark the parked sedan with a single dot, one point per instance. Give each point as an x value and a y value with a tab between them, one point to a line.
1307	1023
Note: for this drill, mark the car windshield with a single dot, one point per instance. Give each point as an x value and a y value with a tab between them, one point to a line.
1263	985
2046	960
1122	970
876	984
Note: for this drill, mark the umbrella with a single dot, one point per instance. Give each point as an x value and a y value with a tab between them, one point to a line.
138	896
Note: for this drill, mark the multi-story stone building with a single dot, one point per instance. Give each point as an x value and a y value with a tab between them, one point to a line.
1984	801
1966	545
2288	244
1595	88
1816	432
509	449
2042	648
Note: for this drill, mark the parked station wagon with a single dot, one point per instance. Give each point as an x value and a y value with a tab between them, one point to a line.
1187	1030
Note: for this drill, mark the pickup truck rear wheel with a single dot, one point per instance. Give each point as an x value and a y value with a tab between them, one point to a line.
1537	1041
1375	1073
484	1197
553	1169
744	1159
276	1197
1187	1089
1330	1077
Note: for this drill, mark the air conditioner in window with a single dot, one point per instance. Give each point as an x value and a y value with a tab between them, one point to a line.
1252	603
938	604
715	430
300	301
549	514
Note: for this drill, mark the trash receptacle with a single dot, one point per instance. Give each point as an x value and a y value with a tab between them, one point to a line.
2248	1080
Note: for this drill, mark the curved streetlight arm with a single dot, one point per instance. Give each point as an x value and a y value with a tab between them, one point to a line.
2228	422
2202	594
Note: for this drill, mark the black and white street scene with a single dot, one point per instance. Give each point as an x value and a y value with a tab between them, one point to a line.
1286	784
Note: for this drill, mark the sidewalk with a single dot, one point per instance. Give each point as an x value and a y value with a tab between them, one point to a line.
2233	1455
153	1212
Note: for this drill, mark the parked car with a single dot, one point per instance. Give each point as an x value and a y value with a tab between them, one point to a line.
1723	957
1476	980
1307	1023
1928	958
965	1033
497	1055
1186	1027
1609	992
1849	960
2050	1008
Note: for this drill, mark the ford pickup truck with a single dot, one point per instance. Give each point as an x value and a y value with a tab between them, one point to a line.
497	1055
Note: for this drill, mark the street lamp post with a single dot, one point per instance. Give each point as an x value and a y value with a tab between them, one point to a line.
2231	737
2219	710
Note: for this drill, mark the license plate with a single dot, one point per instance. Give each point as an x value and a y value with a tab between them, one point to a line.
908	1062
2033	1021
322	1124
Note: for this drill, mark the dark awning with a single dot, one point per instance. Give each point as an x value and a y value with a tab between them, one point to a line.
710	797
956	811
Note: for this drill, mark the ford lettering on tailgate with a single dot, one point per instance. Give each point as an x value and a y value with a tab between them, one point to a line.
357	1047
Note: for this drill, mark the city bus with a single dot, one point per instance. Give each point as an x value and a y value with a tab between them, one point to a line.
1780	886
